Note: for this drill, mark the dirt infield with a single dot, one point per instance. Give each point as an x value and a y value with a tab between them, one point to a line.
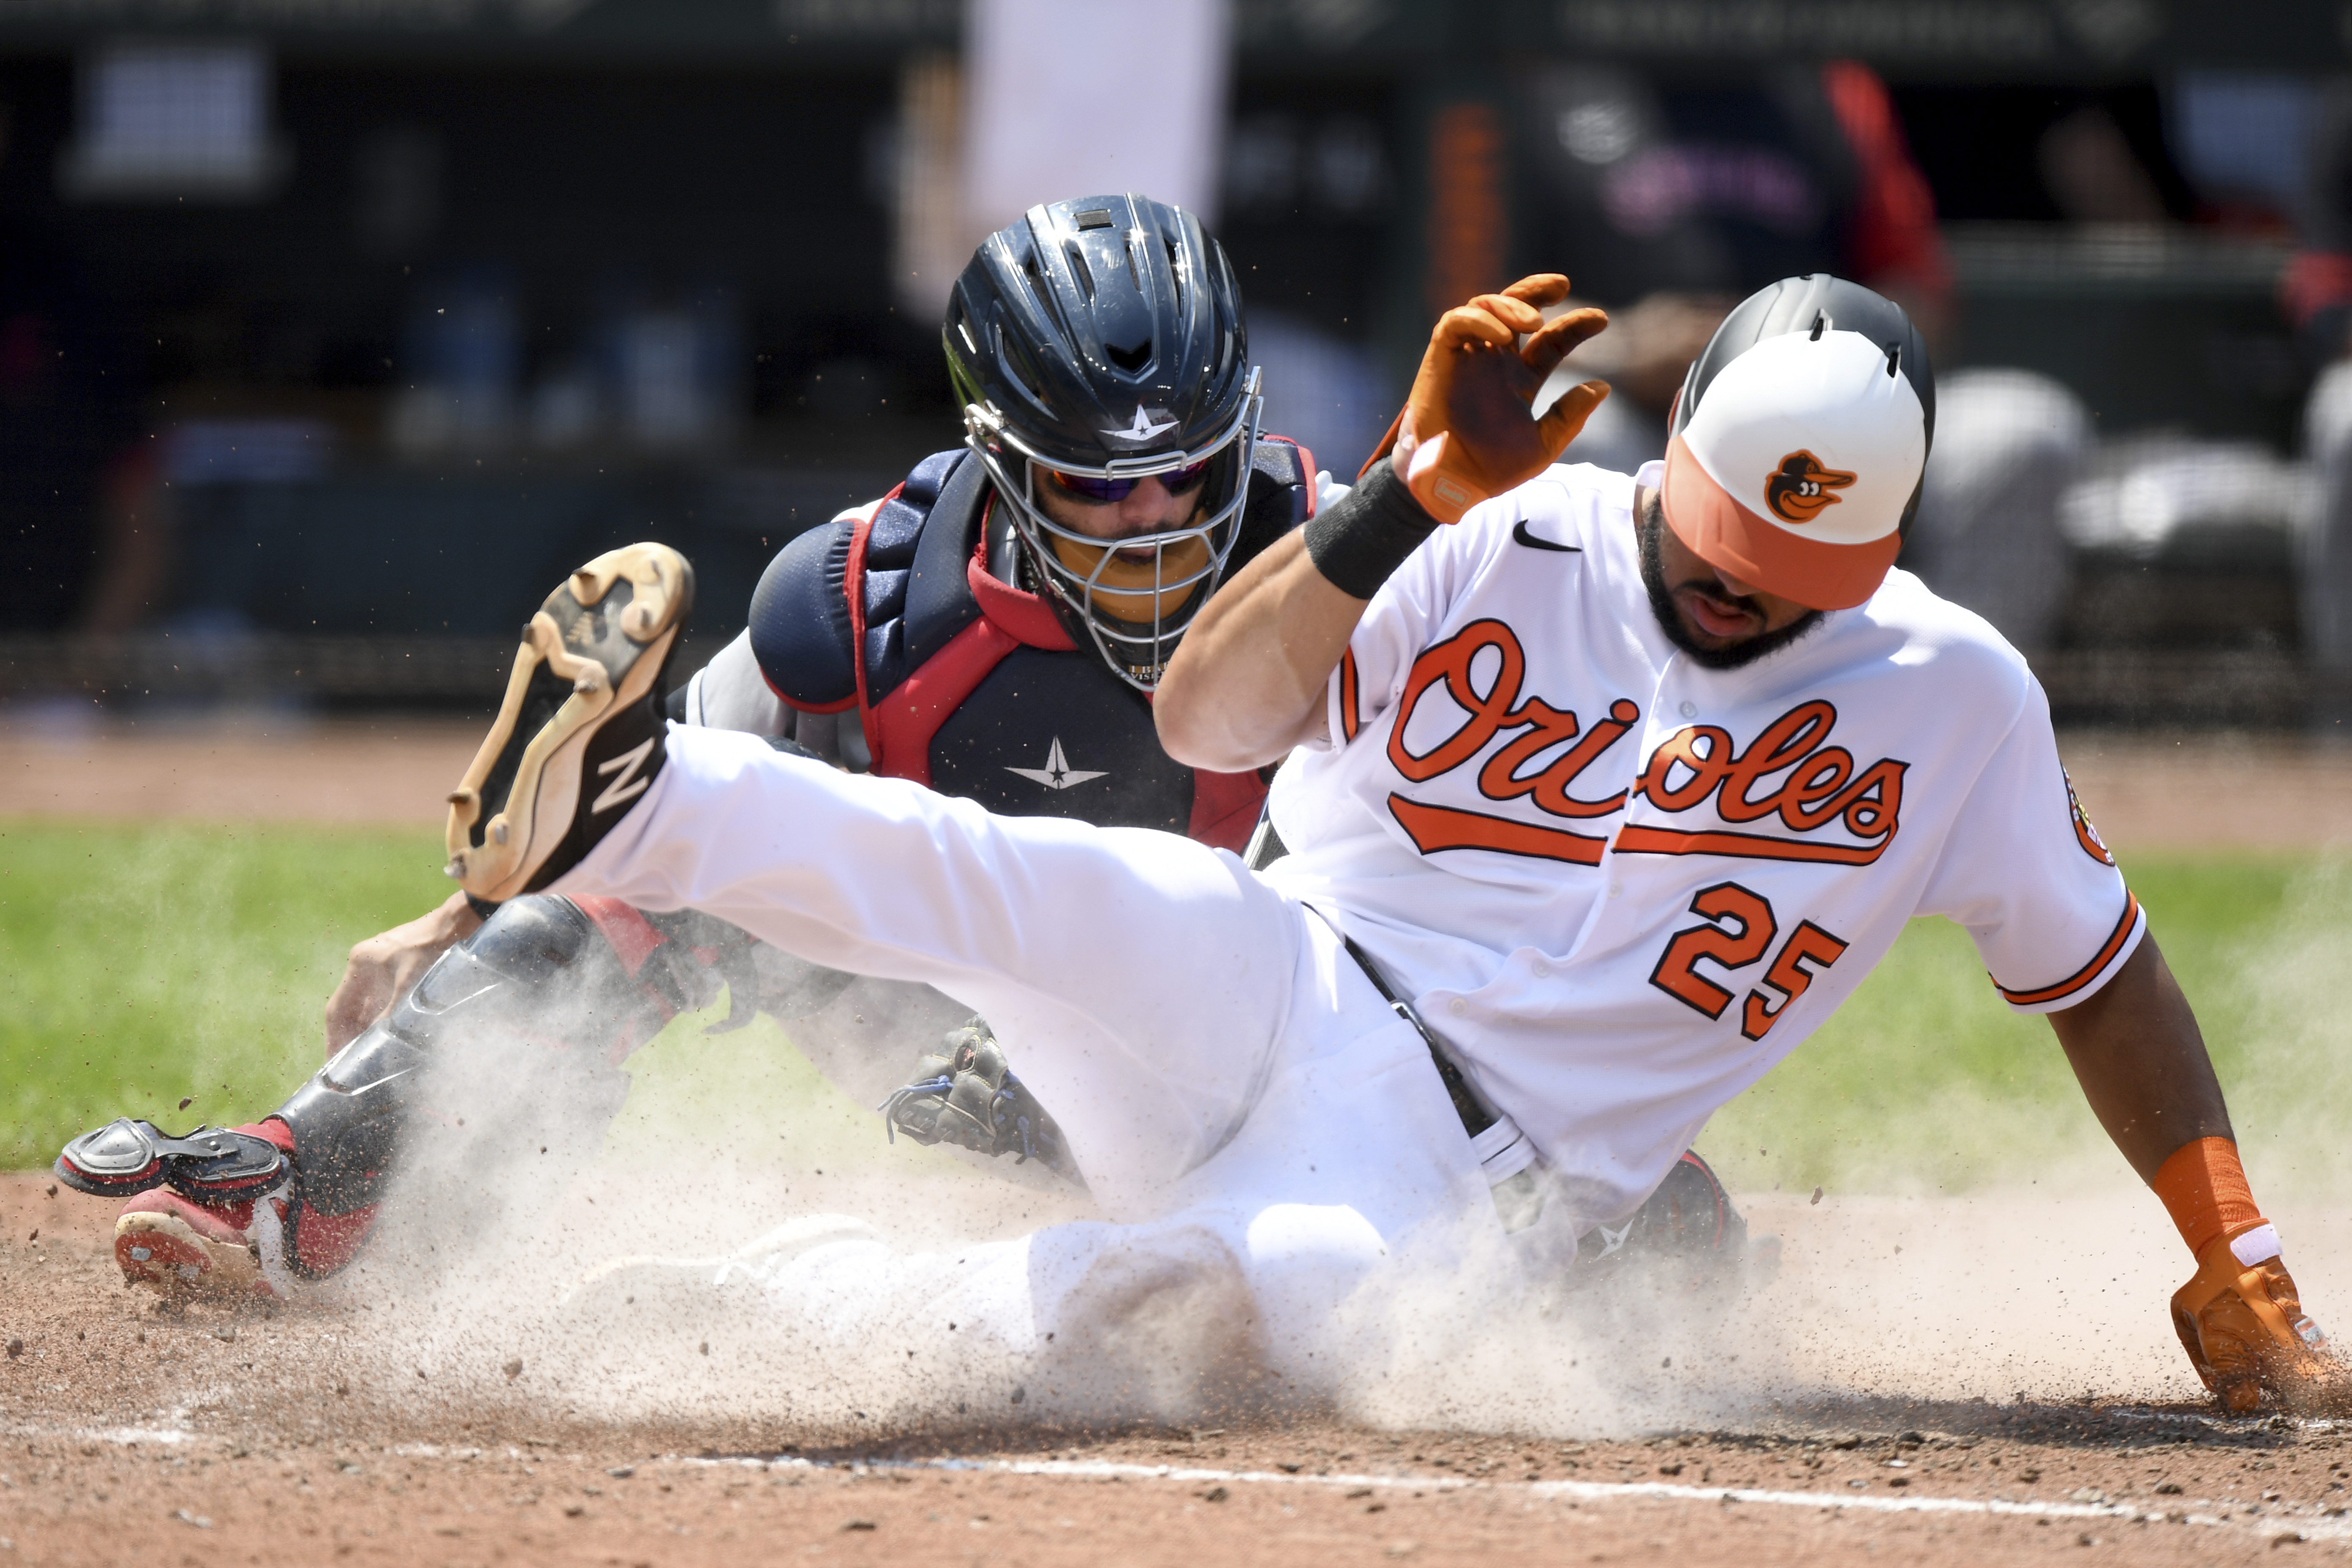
393	770
212	1435
2145	793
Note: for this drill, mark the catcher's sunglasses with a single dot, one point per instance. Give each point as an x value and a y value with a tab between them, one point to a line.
1097	491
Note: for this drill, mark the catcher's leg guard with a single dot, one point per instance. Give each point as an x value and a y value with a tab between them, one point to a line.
515	1034
506	994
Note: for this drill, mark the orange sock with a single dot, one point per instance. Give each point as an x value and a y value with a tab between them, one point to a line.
2204	1190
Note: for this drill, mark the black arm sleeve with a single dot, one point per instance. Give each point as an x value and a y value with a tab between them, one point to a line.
1368	533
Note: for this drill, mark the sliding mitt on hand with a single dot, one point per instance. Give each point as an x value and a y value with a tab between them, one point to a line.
2249	1338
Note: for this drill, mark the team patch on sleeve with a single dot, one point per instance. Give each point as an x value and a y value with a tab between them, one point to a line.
2084	834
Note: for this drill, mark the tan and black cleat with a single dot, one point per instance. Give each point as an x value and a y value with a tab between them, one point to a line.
579	736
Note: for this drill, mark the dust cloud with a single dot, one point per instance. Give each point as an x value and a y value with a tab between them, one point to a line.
827	1260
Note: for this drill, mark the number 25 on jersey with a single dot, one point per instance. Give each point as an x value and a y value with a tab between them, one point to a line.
1739	933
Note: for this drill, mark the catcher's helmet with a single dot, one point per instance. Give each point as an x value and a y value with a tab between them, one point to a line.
1103	339
1797	446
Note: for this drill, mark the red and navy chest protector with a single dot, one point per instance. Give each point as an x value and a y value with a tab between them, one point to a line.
976	687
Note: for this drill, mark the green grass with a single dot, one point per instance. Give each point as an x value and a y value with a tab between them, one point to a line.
141	964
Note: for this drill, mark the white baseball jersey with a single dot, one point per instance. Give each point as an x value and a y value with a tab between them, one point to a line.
1620	885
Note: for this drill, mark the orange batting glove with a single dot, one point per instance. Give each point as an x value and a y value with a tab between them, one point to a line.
1467	431
2249	1338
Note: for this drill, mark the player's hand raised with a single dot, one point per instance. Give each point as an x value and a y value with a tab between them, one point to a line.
1469	430
2249	1340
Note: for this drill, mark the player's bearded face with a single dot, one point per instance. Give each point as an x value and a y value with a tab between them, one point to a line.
1721	624
1124	586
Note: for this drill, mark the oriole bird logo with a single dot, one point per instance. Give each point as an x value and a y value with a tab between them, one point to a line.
1800	487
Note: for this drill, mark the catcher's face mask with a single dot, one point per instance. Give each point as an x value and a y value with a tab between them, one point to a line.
1135	595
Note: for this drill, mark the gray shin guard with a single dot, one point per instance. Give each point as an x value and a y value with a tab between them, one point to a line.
510	1027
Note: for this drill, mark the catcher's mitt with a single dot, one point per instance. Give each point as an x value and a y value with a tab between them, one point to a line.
965	1093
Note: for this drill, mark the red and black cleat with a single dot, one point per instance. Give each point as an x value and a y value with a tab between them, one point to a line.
259	1247
219	1214
184	1249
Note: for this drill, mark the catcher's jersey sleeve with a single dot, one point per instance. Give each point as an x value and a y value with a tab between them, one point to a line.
2025	872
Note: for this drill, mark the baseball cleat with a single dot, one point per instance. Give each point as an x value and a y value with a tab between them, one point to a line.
186	1249
213	1164
654	1292
579	735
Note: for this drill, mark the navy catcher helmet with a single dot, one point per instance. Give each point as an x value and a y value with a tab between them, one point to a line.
1101	340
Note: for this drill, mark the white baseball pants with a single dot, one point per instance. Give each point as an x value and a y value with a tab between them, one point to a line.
1239	1097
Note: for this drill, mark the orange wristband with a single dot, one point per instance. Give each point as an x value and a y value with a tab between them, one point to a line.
2204	1189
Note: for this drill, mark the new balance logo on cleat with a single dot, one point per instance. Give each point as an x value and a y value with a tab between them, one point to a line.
583	704
1056	773
628	786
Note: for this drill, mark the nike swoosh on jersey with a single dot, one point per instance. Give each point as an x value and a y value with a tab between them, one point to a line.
1519	535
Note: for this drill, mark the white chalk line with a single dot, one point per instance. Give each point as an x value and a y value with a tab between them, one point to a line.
1595	1491
2335	1529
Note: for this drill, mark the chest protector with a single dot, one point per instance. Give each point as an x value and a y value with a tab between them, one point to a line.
974	687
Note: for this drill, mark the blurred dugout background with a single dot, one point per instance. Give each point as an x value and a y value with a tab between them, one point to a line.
332	330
